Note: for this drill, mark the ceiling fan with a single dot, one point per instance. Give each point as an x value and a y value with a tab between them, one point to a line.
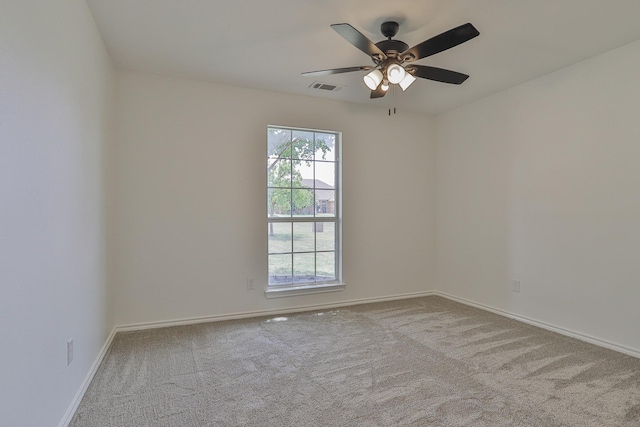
393	59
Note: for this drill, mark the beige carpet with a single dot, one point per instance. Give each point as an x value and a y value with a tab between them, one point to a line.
424	361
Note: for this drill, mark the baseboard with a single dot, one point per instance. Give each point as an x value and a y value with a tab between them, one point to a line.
260	313
87	380
563	331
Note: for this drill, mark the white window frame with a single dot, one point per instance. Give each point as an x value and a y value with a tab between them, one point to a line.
291	289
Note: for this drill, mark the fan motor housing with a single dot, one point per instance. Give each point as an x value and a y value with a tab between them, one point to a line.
392	48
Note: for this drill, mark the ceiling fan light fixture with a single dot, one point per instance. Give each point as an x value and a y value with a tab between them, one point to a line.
373	79
389	55
406	82
395	73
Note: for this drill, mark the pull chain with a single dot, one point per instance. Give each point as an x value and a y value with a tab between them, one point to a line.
393	90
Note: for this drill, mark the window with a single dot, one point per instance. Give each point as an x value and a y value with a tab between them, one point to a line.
303	210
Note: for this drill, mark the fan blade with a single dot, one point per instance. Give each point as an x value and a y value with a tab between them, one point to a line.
359	40
378	93
441	42
336	71
438	74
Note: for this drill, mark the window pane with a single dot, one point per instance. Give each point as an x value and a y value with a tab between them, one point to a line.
302	142
304	268
303	239
279	172
280	237
278	143
278	202
280	269
304	170
325	236
302	174
326	265
325	202
325	175
324	146
302	202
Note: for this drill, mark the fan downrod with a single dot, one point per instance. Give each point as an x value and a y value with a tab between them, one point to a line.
389	29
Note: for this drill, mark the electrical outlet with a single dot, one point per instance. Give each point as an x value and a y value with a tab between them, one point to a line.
516	286
250	285
69	351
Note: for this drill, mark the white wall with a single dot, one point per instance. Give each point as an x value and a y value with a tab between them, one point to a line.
541	183
55	86
538	183
191	197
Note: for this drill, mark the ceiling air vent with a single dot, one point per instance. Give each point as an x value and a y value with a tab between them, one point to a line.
325	86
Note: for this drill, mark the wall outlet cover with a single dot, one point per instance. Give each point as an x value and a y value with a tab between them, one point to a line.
69	351
516	286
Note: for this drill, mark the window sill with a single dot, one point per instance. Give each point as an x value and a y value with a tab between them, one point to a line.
290	291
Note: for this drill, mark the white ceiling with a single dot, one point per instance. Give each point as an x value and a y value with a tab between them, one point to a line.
266	44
